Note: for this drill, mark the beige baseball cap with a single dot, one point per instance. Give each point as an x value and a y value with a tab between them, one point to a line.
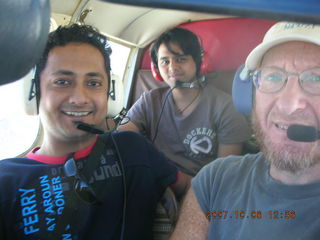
283	32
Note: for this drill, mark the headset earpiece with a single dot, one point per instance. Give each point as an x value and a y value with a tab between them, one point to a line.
242	91
32	91
204	67
29	93
155	72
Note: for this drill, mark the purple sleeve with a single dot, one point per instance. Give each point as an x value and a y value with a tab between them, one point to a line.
137	113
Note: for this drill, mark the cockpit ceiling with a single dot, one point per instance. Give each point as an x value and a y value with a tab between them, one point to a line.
137	26
66	7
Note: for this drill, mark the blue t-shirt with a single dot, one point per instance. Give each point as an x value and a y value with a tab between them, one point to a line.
34	195
242	201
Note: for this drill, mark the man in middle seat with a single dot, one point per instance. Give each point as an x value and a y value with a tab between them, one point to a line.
191	121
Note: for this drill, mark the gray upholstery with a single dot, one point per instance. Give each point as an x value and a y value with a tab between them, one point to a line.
166	216
145	82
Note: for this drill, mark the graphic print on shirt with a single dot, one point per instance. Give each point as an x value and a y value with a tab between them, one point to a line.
108	168
43	202
200	142
105	171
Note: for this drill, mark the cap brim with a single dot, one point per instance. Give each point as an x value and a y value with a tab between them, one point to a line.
255	56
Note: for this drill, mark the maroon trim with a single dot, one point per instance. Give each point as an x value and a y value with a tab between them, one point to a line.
59	160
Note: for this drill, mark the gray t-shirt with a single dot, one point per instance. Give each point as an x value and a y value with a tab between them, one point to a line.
190	141
254	206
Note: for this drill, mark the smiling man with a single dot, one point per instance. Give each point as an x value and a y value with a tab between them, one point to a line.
73	89
274	194
77	185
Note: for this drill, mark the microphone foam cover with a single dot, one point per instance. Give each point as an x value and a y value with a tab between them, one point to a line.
88	128
180	84
301	133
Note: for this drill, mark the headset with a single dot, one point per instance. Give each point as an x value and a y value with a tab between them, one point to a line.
242	90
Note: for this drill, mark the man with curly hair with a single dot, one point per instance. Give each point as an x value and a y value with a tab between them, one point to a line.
78	185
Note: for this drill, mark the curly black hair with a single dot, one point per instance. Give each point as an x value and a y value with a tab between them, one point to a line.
64	35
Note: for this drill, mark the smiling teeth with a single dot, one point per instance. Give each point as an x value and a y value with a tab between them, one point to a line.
77	114
282	126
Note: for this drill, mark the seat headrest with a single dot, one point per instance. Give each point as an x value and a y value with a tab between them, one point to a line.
24	28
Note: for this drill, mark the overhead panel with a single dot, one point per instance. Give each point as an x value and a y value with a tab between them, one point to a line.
113	19
66	7
137	26
290	10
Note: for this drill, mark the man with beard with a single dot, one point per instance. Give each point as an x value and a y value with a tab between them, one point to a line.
274	194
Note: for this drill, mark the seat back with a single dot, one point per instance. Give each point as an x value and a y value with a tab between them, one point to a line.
226	44
166	216
220	79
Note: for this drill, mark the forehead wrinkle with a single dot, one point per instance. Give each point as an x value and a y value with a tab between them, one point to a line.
293	55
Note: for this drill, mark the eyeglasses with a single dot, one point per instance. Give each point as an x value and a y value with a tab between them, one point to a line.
271	80
81	187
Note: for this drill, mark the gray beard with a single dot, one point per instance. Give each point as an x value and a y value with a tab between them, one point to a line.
291	160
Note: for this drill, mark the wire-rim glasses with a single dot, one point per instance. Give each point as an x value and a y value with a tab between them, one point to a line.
272	80
81	187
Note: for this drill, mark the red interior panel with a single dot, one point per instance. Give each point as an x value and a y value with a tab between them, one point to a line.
226	42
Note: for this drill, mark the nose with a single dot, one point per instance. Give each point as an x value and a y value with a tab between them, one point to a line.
292	98
173	65
78	95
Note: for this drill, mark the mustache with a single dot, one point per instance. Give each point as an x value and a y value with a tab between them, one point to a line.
299	116
296	117
293	116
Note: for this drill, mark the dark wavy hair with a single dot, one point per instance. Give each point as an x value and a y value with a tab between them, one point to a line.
64	35
187	41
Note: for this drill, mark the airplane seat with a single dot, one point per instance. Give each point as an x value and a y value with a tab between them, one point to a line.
144	83
242	96
225	43
166	216
220	79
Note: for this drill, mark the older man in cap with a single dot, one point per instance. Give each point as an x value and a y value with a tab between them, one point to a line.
274	194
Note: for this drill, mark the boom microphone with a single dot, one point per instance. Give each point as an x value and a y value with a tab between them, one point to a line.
89	128
301	133
180	84
195	84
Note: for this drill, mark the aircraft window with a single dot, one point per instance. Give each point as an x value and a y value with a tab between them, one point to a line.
119	58
18	130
